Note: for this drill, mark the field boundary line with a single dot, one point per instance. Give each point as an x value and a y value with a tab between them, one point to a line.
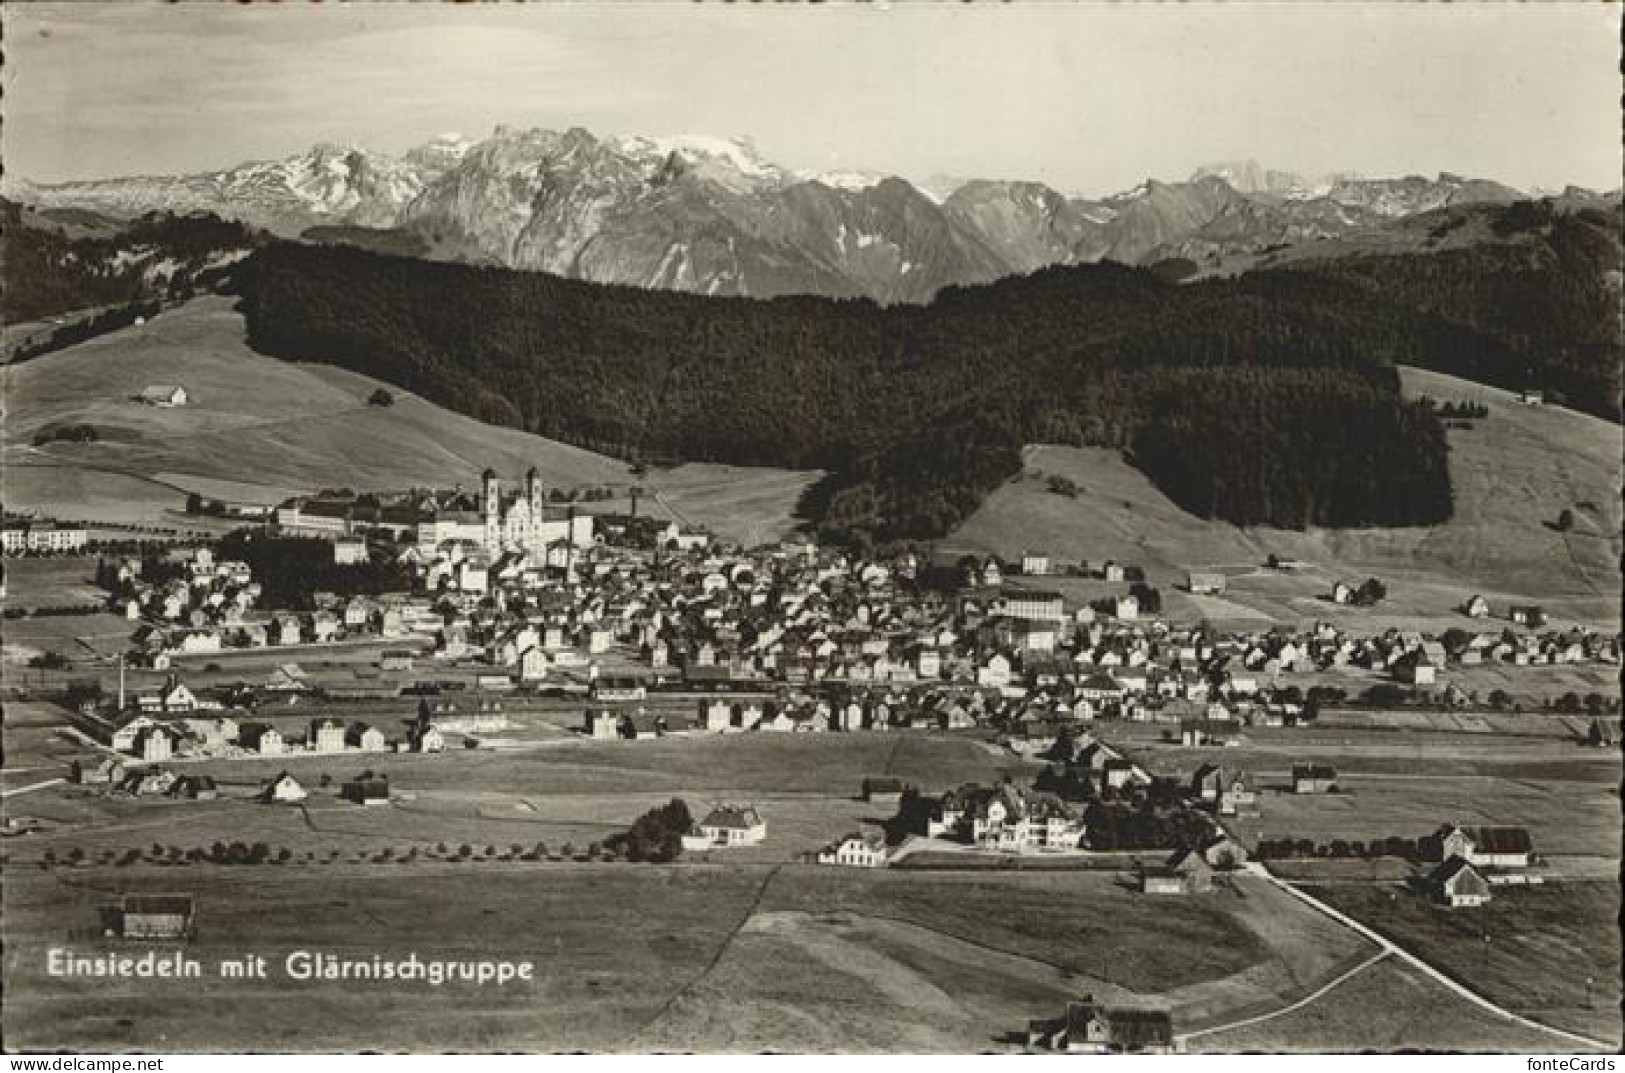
1306	1000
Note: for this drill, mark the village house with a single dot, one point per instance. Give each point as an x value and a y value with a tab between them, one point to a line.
1487	847
262	738
1186	872
1477	607
856	850
1457	884
366	738
1035	564
728	826
366	789
1313	779
326	735
195	788
284	789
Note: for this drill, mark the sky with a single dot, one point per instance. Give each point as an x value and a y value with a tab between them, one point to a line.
1090	98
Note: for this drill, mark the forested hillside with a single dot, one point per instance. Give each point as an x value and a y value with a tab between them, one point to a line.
1540	308
51	268
917	411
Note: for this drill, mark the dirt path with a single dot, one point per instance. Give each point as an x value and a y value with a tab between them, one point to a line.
1298	1005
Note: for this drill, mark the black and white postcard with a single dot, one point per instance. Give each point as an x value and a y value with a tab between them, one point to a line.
834	528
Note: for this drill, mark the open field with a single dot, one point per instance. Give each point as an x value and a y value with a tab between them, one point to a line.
1513	473
1531	949
1548	751
727	950
259	430
610	945
1388	1007
92	640
49	582
1409	782
631	957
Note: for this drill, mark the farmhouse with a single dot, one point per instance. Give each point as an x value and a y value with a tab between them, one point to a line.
163	395
883	790
1528	615
1186	872
1417	669
1492	847
284	789
156	916
1206	584
1477	607
1458	884
367	789
1090	1027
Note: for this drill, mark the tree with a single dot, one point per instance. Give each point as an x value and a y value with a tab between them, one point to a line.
1565	520
381	397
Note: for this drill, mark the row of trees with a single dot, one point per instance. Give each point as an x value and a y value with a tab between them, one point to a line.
291	570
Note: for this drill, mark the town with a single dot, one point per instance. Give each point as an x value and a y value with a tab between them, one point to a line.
357	650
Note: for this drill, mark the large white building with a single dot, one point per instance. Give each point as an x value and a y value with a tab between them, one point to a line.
520	521
20	536
496	523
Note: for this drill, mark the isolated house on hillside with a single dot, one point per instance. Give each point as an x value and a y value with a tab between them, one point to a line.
1091	1027
164	395
284	789
155	916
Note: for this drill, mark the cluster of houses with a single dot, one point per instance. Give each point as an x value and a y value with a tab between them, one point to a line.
1473	860
172	723
205	605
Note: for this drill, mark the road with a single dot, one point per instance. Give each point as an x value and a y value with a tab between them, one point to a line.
32	786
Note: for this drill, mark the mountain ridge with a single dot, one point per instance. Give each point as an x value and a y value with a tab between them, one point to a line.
711	215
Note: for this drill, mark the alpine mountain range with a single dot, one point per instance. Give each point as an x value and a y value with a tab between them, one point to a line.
709	215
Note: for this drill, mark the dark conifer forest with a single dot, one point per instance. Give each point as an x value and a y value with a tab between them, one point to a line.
1267	399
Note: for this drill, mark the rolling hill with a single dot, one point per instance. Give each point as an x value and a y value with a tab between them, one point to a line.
1512	474
259	430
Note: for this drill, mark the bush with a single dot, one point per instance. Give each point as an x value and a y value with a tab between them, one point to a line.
381	397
